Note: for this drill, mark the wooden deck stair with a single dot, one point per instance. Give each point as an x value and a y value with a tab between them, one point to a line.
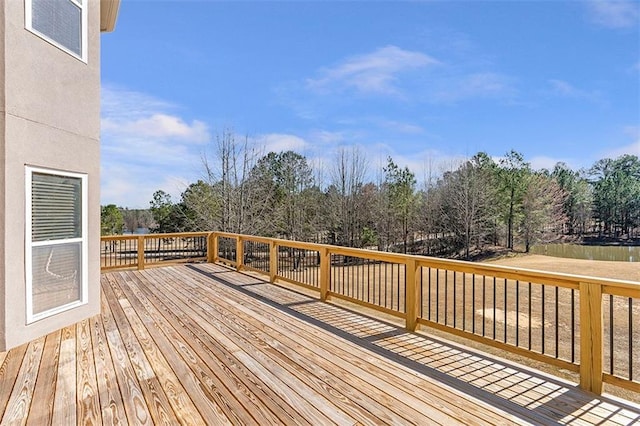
201	344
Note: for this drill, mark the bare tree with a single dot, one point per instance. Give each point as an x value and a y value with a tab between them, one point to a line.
347	180
467	202
232	204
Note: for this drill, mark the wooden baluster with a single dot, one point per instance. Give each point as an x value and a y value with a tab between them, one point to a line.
273	261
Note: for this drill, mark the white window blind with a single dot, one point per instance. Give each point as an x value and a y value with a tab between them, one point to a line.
56	207
56	252
61	22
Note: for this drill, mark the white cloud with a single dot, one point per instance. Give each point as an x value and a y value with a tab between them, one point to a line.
277	142
631	149
614	13
159	126
565	89
401	127
127	187
477	85
146	146
372	73
543	162
118	103
327	137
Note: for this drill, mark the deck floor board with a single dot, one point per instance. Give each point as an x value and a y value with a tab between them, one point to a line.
202	344
397	393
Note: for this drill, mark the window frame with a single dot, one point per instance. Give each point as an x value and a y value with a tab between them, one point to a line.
30	244
84	37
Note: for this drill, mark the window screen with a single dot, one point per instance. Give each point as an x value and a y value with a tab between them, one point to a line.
57	270
56	250
60	21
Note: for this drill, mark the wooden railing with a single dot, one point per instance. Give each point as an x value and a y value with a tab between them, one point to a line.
582	324
140	251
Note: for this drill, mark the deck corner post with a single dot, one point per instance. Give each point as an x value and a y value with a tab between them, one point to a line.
239	253
325	271
412	294
591	337
273	261
140	252
212	248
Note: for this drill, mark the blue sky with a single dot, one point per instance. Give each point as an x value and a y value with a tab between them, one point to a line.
423	82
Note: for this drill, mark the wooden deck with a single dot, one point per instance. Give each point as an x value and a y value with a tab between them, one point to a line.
200	344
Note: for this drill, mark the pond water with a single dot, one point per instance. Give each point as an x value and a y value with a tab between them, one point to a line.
574	251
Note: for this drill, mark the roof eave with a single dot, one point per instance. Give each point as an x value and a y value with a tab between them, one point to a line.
108	14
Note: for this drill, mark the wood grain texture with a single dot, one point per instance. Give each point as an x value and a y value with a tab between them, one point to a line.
187	364
89	411
134	403
182	405
202	344
8	374
42	411
20	399
154	395
64	405
111	403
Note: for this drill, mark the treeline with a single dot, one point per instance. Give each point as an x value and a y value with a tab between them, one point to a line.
116	220
459	210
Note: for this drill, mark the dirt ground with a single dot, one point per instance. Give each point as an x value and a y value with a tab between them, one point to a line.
381	285
629	271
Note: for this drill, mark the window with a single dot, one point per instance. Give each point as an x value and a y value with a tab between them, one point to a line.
61	22
56	247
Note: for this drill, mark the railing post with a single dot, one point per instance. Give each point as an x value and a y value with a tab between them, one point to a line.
412	294
212	247
591	337
216	247
325	272
239	253
273	261
140	252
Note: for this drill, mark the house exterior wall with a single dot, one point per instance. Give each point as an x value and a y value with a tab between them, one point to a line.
2	181
49	117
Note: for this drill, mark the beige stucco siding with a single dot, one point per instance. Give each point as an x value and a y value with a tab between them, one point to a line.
48	85
50	118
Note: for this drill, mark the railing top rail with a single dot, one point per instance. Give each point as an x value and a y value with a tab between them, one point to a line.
257	239
167	235
523	274
230	234
498	271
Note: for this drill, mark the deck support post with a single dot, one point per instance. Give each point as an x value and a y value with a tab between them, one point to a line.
140	252
325	271
273	261
412	294
591	337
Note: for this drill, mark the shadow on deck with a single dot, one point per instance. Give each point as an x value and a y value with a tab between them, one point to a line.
526	393
201	344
